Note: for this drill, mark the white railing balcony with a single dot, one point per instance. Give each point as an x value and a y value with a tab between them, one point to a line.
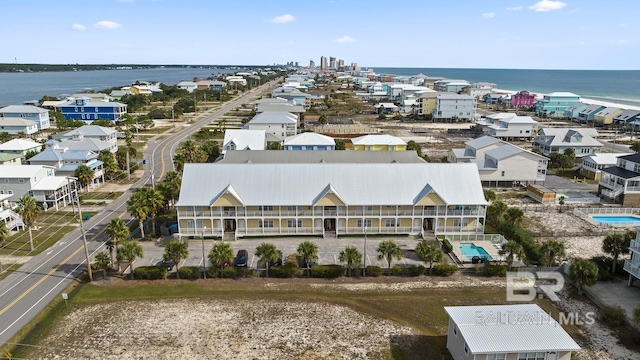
612	193
199	232
632	189
635	247
632	269
229	213
393	230
608	182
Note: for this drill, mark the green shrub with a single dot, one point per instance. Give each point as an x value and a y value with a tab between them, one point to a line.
213	272
612	315
445	269
230	272
412	270
150	272
189	272
327	271
373	271
285	271
244	272
490	270
397	270
636	313
446	246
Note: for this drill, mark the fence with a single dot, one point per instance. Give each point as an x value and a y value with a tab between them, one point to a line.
586	215
560	234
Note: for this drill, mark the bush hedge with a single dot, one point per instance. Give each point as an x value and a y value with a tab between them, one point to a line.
189	272
327	271
373	271
150	272
285	271
445	269
612	315
446	246
412	270
490	270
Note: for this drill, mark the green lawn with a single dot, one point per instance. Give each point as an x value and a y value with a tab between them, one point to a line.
572	175
8	269
101	195
43	238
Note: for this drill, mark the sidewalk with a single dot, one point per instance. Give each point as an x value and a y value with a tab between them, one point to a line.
616	292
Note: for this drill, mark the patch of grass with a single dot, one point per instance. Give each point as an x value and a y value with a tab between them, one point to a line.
101	195
571	175
18	244
8	269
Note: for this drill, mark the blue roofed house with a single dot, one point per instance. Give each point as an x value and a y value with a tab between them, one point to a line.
86	110
309	141
572	111
627	117
554	104
65	161
588	114
27	112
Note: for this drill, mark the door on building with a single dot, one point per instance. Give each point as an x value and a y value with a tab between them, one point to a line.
329	224
427	224
229	224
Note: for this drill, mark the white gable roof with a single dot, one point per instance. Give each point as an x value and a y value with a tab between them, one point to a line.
378	140
19	144
309	138
245	139
274	117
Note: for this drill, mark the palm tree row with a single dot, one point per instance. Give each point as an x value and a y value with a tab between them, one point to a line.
145	202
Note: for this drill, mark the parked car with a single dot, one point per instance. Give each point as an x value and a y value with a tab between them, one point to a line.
277	262
242	258
168	263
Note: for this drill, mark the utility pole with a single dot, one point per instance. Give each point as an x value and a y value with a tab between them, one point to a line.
204	259
84	235
364	267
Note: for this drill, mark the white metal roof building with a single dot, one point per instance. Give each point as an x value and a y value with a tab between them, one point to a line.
235	139
407	198
311	156
378	142
278	124
309	141
519	331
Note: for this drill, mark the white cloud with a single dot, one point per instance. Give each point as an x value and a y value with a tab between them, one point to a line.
619	42
623	25
106	24
345	39
547	5
488	15
515	8
79	27
282	19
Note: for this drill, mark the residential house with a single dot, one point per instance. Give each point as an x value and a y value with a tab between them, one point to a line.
557	140
632	266
16	125
523	99
621	183
118	94
500	163
268	101
12	219
591	166
480	89
297	110
79	142
20	147
455	107
448	85
309	141
244	140
50	104
506	332
65	161
606	115
10	159
91	131
509	126
187	85
314	157
95	97
140	90
626	117
37	181
293	96
492	98
426	103
277	124
386	108
86	110
572	111
27	112
237	200
588	114
553	105
378	143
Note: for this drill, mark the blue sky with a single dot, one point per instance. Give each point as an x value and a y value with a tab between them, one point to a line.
531	34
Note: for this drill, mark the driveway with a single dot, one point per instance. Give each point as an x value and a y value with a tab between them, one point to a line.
555	182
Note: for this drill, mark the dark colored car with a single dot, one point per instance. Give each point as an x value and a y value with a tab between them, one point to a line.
242	258
277	262
168	263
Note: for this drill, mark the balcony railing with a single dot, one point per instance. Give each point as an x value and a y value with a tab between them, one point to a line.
612	193
275	230
635	246
632	268
199	232
383	230
333	213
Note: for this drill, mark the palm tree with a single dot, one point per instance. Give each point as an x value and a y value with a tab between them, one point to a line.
190	149
29	210
85	176
174	181
154	202
388	250
4	233
514	215
614	245
429	253
635	146
179	160
176	251
267	253
219	254
138	208
118	231
102	262
351	256
129	250
554	250
513	249
308	251
583	273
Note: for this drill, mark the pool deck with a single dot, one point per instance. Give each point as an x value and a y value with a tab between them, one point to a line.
599	223
492	249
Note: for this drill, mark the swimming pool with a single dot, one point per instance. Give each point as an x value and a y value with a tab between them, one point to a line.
621	220
470	250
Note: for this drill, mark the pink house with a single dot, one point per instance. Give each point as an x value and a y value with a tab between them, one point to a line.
523	99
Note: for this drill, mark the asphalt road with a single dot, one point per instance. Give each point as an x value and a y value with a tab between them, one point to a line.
27	291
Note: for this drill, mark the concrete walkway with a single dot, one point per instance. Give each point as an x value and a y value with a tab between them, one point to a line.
616	292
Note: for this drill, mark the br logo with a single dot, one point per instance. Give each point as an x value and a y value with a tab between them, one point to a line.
521	285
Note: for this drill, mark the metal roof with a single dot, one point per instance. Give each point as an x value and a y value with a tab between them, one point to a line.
22	109
591	108
377	140
504	151
21	171
309	138
605	158
19	144
282	107
498	116
274	117
620	172
245	139
520	120
482	142
562	94
560	135
16	121
90	130
356	184
509	329
50	183
312	156
85	144
607	111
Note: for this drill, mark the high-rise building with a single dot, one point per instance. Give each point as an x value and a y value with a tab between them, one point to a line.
355	67
297	64
340	64
332	62
323	63
312	64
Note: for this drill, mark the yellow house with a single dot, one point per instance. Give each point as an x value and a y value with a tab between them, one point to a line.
378	143
606	115
140	90
426	103
330	199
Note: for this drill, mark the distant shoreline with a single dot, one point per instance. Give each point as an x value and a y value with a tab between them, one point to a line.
38	68
584	100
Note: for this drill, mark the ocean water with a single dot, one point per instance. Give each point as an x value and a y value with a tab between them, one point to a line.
620	86
16	88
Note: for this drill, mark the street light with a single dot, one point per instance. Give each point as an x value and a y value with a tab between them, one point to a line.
204	261
84	236
364	268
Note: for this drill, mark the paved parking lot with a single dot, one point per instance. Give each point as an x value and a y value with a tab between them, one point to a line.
329	250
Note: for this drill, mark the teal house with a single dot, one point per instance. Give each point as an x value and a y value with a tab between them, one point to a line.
553	105
573	111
